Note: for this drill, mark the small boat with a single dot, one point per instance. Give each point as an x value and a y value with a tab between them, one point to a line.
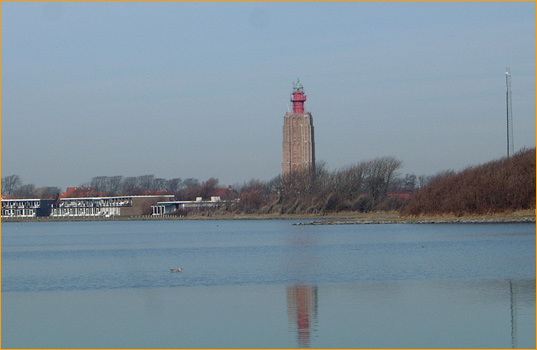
176	270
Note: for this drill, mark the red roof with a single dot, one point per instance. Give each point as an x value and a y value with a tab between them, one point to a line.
78	192
399	195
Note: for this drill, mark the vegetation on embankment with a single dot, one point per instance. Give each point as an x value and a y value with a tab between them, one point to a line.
504	185
368	188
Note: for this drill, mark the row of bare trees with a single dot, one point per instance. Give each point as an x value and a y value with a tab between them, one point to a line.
187	189
360	187
137	185
12	186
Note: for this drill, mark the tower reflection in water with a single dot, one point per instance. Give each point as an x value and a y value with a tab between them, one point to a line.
302	311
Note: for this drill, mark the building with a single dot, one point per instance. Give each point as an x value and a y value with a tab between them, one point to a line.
169	208
298	139
26	208
107	206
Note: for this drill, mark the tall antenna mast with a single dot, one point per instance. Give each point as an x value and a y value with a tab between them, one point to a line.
509	103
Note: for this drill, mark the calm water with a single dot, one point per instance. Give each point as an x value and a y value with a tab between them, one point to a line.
267	284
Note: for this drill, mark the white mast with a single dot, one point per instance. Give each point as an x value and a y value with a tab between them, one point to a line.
510	146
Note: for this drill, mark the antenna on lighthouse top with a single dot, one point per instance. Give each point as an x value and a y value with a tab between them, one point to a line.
297	86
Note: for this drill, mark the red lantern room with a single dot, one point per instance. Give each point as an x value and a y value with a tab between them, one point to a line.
298	98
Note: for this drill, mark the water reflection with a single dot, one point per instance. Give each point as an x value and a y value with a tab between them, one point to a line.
302	299
513	316
519	291
477	313
302	311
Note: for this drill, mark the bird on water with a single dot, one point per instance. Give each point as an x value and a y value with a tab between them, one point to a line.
177	270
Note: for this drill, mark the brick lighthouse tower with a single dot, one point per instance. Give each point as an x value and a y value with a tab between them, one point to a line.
298	141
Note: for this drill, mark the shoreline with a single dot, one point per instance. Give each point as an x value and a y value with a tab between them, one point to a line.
417	222
522	216
344	218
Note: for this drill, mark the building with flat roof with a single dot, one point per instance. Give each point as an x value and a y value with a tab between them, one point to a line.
169	208
107	206
26	208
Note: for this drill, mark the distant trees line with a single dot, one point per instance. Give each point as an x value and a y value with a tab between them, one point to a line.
146	184
115	186
187	189
373	185
12	186
363	186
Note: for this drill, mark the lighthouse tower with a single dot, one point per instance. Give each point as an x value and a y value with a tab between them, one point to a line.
298	140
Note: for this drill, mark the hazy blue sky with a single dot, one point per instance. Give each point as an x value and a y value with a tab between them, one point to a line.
181	89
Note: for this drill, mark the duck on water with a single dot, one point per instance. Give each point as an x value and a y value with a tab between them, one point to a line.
177	270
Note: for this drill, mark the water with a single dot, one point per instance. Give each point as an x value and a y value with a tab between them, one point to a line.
267	284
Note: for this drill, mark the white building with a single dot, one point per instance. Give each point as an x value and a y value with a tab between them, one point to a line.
26	208
107	206
167	208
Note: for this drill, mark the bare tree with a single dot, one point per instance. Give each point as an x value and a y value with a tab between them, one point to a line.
254	185
115	185
379	174
204	190
10	184
191	182
146	182
348	182
175	185
49	192
159	184
99	183
130	186
26	191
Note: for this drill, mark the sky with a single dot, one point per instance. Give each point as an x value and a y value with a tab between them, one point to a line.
200	89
